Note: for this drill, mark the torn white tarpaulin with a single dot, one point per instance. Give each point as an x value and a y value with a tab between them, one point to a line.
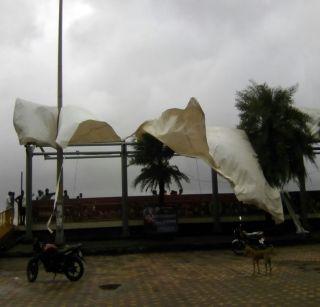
228	151
37	124
184	130
236	161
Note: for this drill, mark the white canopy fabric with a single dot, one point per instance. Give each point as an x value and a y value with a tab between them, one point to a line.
226	150
237	162
37	124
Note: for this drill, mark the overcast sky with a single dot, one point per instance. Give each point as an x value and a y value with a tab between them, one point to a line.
127	61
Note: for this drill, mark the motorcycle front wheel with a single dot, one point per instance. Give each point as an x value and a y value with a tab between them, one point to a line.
74	269
238	247
32	270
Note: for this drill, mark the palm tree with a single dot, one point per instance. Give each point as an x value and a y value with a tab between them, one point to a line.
278	133
156	172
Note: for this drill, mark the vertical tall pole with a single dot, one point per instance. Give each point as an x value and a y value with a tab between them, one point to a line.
124	203
29	156
59	208
215	201
21	182
20	221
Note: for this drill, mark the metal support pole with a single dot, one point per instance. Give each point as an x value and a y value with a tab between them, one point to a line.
20	220
215	202
59	209
124	203
29	155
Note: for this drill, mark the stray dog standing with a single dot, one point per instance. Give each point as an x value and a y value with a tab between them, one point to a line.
257	255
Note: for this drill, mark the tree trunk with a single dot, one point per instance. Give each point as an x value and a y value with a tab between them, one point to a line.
303	202
161	193
215	202
269	223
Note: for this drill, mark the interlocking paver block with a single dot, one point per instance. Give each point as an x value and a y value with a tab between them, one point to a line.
199	278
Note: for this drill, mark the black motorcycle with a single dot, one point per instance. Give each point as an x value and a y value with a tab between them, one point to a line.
68	261
242	238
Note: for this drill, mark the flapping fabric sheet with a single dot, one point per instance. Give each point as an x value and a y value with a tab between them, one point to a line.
228	151
55	201
183	130
79	126
35	123
236	161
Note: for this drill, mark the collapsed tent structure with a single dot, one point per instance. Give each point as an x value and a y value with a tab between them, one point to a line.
226	150
37	124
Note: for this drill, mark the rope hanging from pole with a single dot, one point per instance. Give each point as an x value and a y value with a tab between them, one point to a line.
75	175
55	200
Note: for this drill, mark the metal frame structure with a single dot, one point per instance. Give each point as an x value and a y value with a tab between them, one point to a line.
123	153
30	153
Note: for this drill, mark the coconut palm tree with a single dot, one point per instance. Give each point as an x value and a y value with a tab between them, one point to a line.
278	133
156	173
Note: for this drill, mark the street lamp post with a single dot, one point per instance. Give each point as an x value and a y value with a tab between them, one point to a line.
59	208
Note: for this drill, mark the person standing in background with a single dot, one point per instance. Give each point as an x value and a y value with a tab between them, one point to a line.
19	200
65	195
47	194
23	210
40	195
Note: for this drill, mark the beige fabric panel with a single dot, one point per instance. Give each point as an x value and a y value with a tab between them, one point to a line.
93	131
79	126
183	130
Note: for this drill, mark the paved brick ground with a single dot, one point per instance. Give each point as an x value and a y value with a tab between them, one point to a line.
203	278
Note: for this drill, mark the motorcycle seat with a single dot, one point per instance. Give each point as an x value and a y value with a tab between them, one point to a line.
71	247
254	234
50	248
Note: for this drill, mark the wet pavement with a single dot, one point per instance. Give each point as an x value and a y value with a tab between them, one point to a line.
192	278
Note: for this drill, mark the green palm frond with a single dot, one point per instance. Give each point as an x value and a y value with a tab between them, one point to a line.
277	131
149	150
156	172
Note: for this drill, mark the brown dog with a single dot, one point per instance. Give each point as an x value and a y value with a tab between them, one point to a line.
257	255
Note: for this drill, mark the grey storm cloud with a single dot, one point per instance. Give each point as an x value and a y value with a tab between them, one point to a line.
127	61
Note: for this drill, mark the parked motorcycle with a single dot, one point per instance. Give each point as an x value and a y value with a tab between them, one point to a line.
242	238
68	261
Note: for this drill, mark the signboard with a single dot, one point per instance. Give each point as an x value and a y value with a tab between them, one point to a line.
160	220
